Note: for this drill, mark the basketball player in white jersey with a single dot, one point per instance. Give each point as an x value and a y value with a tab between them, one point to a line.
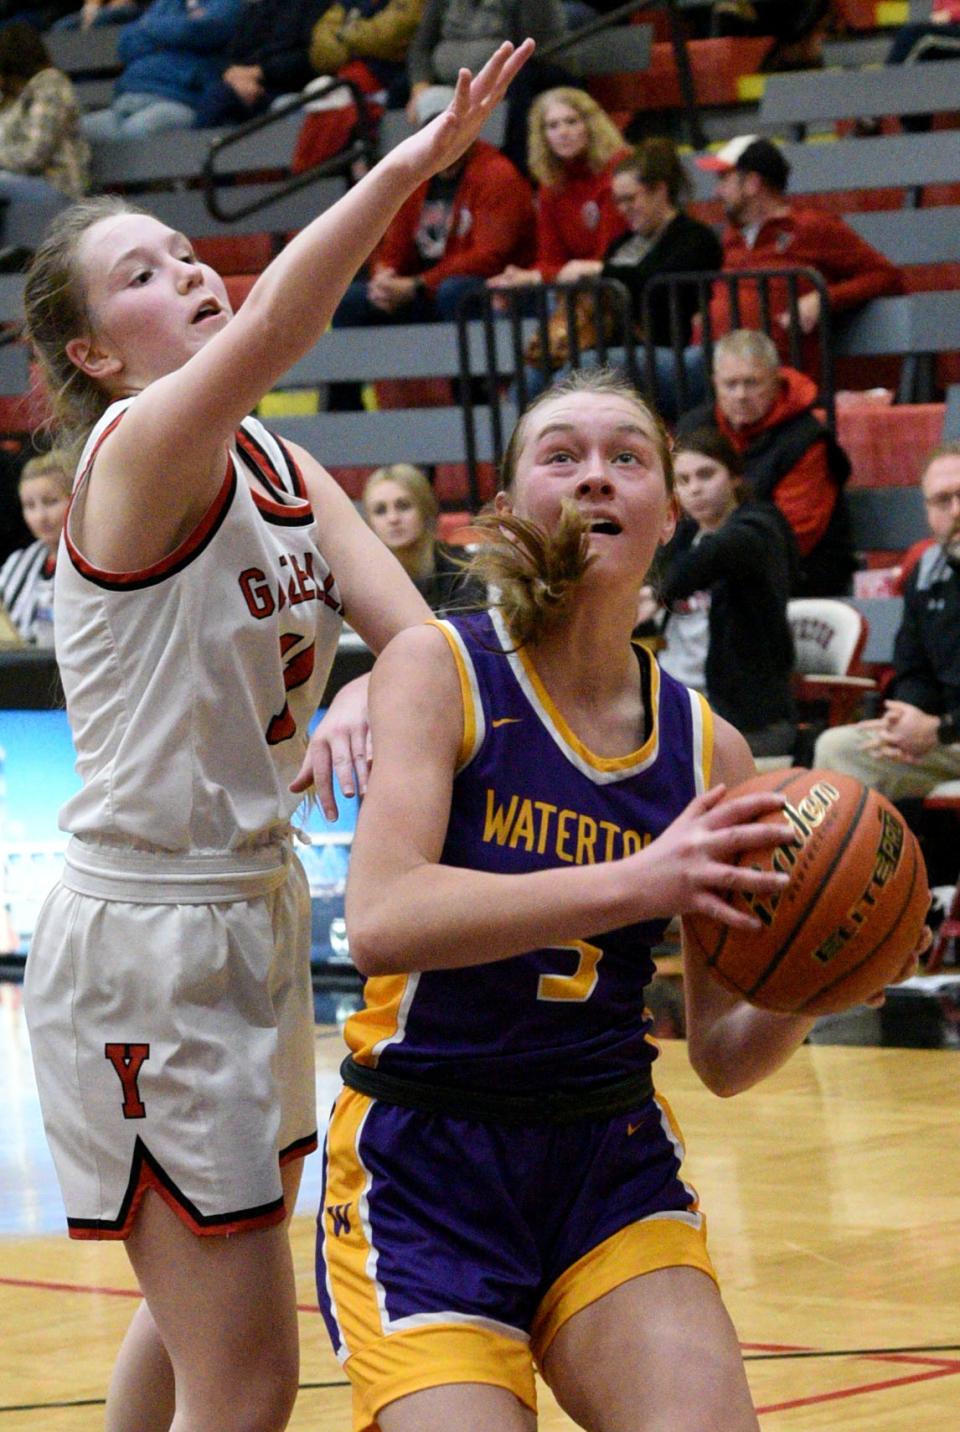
205	570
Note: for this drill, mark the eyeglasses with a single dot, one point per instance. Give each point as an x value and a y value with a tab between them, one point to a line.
943	501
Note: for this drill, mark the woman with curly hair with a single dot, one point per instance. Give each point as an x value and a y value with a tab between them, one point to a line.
573	148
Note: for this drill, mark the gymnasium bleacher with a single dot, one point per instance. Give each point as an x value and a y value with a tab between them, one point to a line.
237	198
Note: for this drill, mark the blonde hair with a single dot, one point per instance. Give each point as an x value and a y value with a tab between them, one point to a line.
416	485
535	573
604	139
55	303
58	465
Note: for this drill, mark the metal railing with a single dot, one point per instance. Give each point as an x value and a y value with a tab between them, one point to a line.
777	292
696	134
361	146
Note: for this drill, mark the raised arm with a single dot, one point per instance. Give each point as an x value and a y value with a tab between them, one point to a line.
407	911
150	477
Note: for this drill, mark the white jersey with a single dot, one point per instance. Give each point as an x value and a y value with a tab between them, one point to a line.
189	684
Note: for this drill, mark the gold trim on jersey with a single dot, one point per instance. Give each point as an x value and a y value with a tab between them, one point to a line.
383	1018
600	769
702	741
474	722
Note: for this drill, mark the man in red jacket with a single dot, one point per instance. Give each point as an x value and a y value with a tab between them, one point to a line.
791	457
767	230
450	236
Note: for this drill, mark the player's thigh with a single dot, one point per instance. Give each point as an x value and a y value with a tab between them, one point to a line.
466	1406
657	1354
225	1307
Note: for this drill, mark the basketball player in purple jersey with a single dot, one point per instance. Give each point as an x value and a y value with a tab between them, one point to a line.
206	569
503	1185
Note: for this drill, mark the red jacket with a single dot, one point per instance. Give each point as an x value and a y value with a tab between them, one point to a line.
808	238
806	496
492	224
577	218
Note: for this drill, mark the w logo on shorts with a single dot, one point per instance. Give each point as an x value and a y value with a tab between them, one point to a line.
127	1059
340	1214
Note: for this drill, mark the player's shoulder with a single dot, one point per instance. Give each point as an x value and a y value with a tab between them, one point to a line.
732	759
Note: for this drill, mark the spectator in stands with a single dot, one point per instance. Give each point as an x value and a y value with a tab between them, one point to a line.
915	744
402	508
26	577
720	597
767	230
466	32
573	149
170	56
268	55
374	33
649	187
450	236
767	412
44	158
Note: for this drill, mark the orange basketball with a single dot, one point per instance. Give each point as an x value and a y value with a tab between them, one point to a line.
853	911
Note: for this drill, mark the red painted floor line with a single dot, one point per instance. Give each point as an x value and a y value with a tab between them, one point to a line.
843	1392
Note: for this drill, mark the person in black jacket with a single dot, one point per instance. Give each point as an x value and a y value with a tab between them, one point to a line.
649	188
720	600
269	55
915	743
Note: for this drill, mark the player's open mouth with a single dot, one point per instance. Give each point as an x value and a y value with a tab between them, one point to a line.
606	526
209	309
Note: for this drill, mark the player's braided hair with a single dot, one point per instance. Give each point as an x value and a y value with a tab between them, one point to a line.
55	303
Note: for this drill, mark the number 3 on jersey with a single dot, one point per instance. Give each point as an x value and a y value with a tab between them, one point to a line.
580	985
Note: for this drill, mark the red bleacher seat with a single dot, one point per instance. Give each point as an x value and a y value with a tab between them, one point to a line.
888	445
717	66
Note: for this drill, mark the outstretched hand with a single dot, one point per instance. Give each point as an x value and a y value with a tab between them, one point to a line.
340	745
441	142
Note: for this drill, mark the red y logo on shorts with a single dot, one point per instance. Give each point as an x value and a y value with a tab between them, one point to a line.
127	1059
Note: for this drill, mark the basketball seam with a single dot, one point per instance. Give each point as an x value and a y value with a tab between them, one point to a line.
777	959
825	989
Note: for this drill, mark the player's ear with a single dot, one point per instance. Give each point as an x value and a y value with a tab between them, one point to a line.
502	503
94	361
670	520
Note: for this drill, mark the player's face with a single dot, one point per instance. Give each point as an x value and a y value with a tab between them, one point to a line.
941	493
44	505
564	130
152	303
705	489
600	450
746	390
393	515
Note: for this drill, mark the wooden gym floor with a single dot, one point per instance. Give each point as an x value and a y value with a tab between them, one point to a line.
832	1191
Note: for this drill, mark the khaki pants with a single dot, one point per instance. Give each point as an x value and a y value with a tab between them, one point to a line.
841	749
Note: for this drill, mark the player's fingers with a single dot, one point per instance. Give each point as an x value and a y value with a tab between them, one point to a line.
744	877
323	779
303	780
360	769
716	908
741	810
762	836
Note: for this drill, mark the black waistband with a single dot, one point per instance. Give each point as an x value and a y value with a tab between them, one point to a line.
617	1097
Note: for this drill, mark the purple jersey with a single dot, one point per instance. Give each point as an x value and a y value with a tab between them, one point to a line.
527	796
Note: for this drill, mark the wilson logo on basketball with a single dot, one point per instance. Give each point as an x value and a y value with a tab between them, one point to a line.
805	817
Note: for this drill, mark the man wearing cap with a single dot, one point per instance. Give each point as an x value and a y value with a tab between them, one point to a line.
767	230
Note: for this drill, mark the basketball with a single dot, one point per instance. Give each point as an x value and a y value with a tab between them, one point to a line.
851	915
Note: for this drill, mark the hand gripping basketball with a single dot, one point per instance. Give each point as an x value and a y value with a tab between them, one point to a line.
851	915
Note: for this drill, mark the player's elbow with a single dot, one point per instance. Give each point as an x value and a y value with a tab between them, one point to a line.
721	1076
372	942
